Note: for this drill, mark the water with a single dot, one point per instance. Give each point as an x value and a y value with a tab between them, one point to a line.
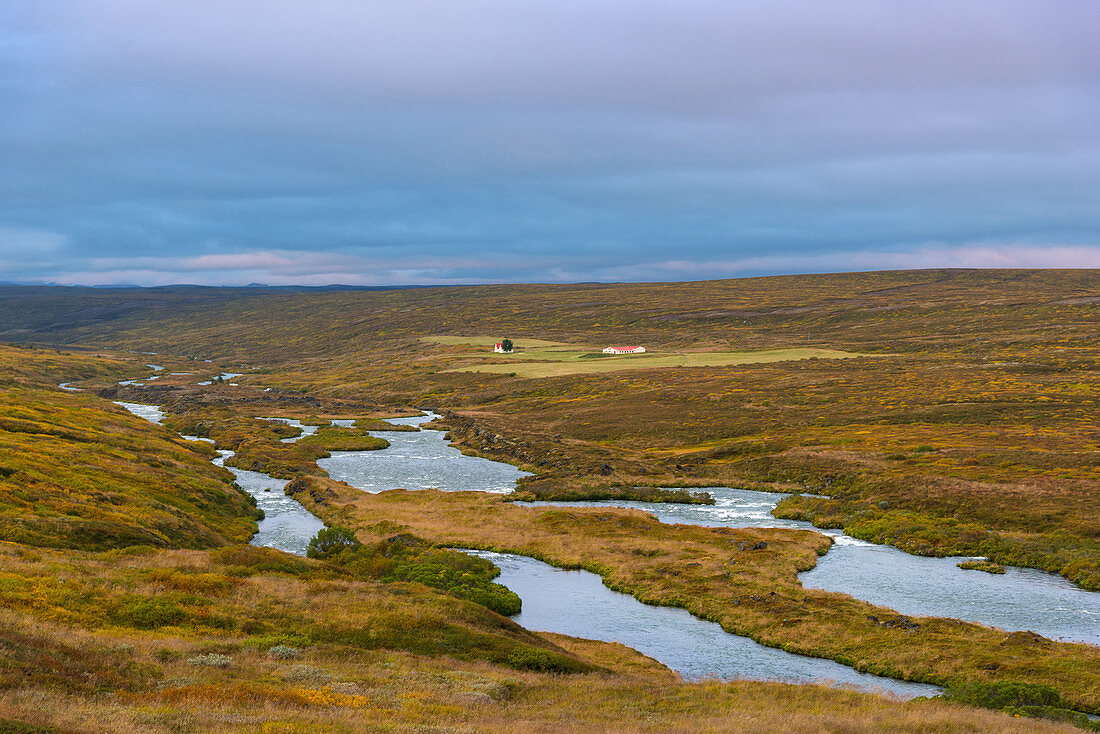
306	430
69	386
577	603
137	381
224	376
1021	599
286	525
419	460
151	413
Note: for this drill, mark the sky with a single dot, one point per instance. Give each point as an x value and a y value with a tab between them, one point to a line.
312	142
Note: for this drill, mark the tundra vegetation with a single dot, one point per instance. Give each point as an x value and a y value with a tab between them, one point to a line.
972	430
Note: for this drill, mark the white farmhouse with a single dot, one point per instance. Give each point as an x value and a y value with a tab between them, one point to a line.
623	350
499	349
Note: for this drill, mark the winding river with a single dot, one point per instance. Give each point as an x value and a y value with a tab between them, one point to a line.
286	525
1020	599
577	602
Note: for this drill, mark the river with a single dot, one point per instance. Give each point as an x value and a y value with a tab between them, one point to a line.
577	602
286	525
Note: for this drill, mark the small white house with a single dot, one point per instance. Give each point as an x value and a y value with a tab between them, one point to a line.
499	349
623	350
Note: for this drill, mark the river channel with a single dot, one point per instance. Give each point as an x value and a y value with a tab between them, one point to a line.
286	525
577	602
1021	599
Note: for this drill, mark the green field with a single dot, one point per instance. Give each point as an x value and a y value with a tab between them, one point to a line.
555	363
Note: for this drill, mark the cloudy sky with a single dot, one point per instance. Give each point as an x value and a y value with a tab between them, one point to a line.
433	141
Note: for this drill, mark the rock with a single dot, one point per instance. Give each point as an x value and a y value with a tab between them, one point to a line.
898	622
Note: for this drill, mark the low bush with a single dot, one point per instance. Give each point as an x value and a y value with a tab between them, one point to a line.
329	542
1019	699
150	613
211	659
284	652
405	557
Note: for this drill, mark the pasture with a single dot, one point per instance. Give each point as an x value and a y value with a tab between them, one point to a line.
556	363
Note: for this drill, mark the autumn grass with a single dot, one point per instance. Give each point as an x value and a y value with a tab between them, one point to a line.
336	438
358	668
997	377
986	566
982	436
528	491
79	472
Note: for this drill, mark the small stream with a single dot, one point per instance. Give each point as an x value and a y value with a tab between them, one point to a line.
287	525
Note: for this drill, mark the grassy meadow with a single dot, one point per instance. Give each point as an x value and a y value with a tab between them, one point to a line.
557	362
962	419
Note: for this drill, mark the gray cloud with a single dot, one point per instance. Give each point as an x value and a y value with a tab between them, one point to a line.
432	141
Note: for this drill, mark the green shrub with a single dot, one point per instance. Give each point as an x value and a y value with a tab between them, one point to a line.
541	661
329	542
1019	699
